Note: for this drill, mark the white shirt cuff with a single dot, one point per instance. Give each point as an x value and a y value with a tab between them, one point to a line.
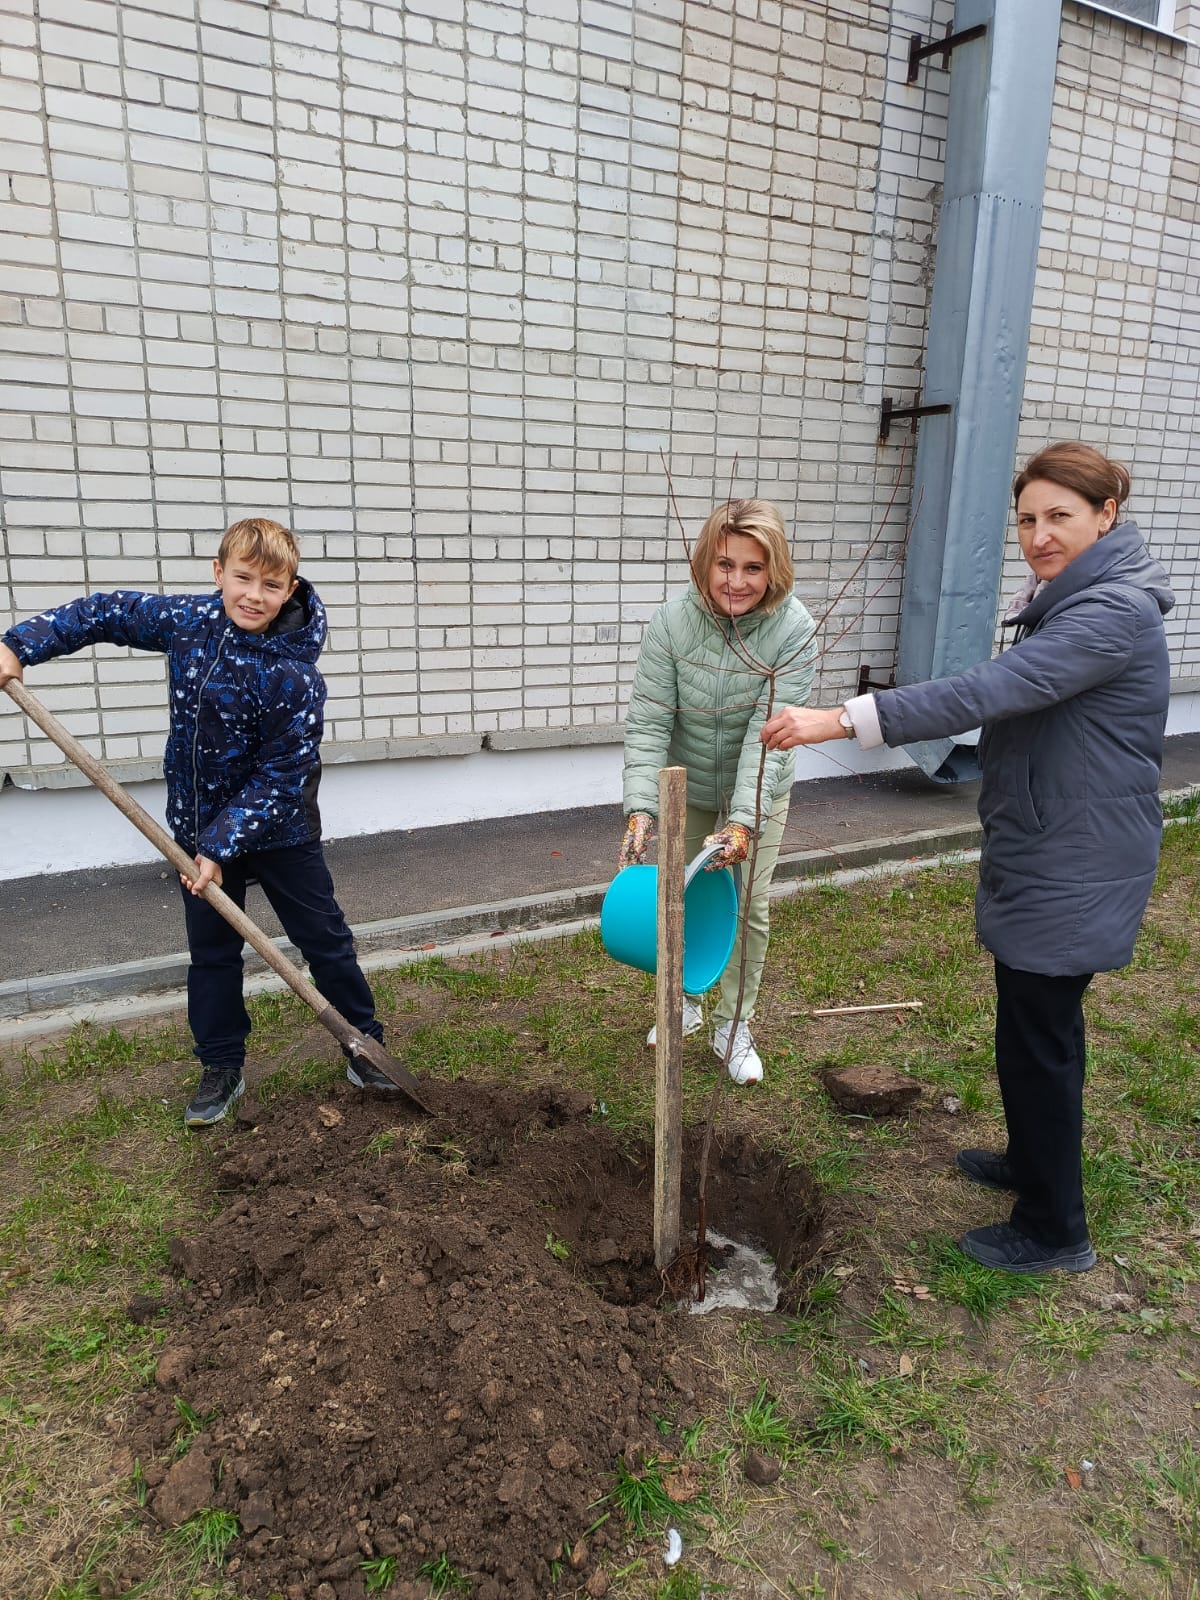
865	717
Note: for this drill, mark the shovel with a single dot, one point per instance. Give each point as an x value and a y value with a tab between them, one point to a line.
327	1015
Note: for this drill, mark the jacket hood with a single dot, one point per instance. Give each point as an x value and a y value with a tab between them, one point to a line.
298	632
1119	557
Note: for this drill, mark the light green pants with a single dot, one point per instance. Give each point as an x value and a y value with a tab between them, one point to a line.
754	925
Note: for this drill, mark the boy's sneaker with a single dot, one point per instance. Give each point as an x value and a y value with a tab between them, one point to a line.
1002	1247
745	1063
217	1090
986	1167
693	1020
364	1076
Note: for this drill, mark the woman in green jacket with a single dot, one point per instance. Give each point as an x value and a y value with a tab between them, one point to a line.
715	662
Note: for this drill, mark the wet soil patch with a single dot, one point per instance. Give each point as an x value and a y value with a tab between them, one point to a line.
417	1338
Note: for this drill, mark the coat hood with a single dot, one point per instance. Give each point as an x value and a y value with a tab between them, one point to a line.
298	632
1119	557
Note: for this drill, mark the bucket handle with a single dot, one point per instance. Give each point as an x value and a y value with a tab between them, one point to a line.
698	863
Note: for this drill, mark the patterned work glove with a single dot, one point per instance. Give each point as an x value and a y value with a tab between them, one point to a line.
639	830
734	838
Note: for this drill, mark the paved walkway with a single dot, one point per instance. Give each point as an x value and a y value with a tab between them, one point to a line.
117	934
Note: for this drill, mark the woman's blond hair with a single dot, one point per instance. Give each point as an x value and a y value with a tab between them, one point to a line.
267	544
753	519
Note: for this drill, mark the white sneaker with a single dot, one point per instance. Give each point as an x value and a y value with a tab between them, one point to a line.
693	1020
745	1063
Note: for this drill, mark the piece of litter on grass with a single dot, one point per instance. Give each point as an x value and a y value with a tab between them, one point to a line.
952	1104
674	1547
1074	1477
1087	1466
740	1276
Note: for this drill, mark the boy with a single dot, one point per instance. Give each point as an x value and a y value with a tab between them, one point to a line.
242	765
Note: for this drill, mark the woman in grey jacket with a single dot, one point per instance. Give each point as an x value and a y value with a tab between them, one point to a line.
1072	717
712	662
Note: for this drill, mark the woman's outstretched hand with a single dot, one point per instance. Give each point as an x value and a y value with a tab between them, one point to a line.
639	830
734	839
802	725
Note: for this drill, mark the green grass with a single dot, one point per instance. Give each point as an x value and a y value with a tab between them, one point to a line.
762	1425
1183	807
955	1277
889	1414
642	1501
379	1574
1172	1481
458	1050
297	1078
986	1388
191	1423
1058	1338
204	1539
442	1576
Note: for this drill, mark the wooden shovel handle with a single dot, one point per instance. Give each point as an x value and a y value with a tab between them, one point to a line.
348	1036
179	859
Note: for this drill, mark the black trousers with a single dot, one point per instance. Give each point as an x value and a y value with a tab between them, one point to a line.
296	881
1040	1063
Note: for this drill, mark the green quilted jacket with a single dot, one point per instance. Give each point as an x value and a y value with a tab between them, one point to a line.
698	703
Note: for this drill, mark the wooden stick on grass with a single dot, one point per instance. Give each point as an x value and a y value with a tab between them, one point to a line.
847	1011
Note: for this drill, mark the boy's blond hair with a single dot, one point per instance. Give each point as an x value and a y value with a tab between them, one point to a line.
267	544
755	519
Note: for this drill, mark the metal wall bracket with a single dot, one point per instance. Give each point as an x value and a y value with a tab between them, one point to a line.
866	682
918	50
889	412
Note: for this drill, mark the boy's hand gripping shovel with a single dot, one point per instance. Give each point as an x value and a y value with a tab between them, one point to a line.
347	1036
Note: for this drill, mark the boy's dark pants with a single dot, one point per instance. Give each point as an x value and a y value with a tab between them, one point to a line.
296	881
1040	1063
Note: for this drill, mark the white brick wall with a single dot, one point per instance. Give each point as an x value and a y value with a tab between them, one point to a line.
1115	347
438	280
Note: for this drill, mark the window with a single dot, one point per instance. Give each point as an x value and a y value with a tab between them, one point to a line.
1158	14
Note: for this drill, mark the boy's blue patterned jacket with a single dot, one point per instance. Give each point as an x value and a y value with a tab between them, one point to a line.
242	761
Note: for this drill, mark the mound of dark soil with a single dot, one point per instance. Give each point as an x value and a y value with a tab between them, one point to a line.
418	1339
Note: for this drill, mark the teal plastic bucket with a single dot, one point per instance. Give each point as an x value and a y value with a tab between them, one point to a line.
629	921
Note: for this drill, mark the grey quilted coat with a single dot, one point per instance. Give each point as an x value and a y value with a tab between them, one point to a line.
1073	716
698	702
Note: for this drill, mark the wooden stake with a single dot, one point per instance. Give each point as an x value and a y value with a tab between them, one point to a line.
668	1056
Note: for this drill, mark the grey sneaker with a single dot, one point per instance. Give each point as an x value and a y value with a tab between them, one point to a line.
364	1076
218	1089
1002	1247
